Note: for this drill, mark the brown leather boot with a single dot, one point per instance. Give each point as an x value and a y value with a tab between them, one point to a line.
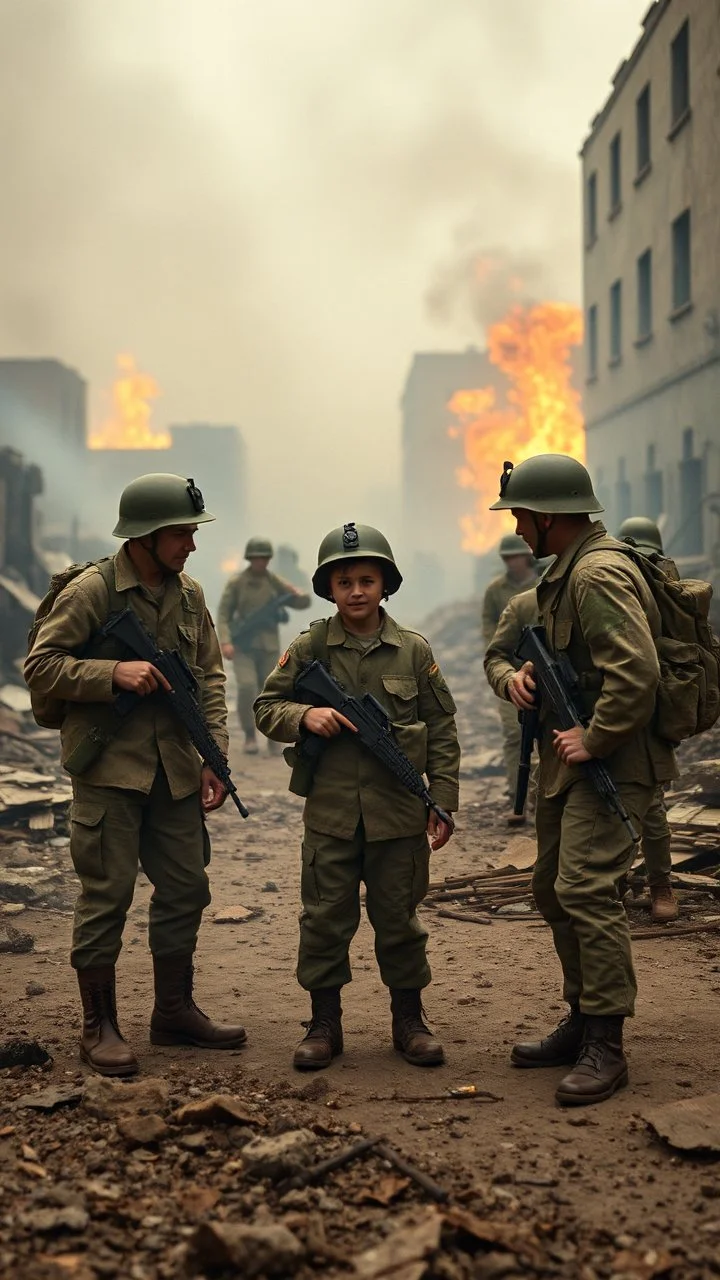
411	1037
559	1049
601	1067
664	906
176	1018
324	1039
102	1045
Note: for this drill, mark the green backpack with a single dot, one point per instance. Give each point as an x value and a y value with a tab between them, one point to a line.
49	712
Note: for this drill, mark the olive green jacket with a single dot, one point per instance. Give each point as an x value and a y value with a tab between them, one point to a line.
520	612
151	733
598	610
497	597
398	668
249	591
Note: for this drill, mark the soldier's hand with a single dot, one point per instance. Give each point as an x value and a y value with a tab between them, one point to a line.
438	831
227	650
212	791
568	745
139	677
521	688
326	722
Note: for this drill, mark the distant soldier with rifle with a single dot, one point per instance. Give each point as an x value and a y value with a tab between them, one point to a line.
369	713
124	660
252	606
601	622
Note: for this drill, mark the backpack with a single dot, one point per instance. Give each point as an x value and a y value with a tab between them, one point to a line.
688	696
49	712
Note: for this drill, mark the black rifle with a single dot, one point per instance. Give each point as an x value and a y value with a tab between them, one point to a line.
182	697
268	615
374	731
528	734
559	687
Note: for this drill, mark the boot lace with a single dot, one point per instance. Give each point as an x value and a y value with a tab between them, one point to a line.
591	1055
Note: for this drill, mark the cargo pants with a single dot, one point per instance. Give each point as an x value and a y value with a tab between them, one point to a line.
583	850
396	874
512	742
655	844
112	831
251	671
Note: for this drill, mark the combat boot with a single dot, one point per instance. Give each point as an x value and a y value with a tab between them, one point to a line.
102	1045
559	1049
601	1067
251	747
664	906
411	1037
176	1018
324	1038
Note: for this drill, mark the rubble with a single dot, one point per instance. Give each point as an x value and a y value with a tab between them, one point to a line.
690	1125
109	1099
266	1250
280	1156
23	1053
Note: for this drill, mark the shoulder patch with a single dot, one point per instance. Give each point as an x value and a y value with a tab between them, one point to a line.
434	669
283	661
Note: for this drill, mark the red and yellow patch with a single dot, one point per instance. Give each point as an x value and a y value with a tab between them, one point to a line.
434	669
285	658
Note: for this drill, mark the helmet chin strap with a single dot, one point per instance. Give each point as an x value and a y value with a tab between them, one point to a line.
542	533
152	552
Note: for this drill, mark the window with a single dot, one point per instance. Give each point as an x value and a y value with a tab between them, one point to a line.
592	342
615	321
688	540
644	287
623	495
654	487
642	117
615	187
680	75
681	261
591	210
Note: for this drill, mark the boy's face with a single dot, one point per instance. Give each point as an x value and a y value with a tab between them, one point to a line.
357	589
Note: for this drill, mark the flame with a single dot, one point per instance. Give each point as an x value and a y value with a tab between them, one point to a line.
129	425
231	563
542	414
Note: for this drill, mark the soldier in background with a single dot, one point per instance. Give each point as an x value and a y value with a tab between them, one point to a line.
253	660
520	612
520	576
644	535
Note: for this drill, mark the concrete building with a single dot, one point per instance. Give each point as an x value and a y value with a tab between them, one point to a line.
651	186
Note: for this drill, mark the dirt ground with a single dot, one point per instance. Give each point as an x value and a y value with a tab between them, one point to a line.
608	1186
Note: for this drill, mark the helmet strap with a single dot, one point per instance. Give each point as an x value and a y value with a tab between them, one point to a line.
542	533
152	552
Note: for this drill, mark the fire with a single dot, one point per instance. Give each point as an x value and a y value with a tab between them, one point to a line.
231	564
129	426
542	414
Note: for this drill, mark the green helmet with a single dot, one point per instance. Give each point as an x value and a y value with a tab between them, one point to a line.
550	483
641	532
354	542
259	548
157	501
511	544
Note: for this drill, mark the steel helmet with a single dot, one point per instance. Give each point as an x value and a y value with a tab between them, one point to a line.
157	501
550	483
511	544
354	542
641	532
259	548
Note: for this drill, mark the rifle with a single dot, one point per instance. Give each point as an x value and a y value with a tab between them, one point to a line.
528	734
182	698
269	614
558	684
374	730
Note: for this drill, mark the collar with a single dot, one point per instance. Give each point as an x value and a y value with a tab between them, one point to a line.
126	578
561	566
389	630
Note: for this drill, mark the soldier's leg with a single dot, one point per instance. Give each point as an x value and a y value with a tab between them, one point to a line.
174	852
396	874
246	683
104	846
658	862
511	734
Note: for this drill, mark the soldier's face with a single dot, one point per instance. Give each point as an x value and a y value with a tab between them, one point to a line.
357	589
174	545
517	567
259	564
527	528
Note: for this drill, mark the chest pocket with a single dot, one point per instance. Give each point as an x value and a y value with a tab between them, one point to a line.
401	698
562	632
188	646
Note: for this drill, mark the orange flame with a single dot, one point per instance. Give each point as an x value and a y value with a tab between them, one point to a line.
129	425
532	348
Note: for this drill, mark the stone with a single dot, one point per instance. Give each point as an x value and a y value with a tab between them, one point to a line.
141	1130
23	1053
108	1099
236	915
218	1108
251	1251
48	1099
65	1218
35	989
281	1156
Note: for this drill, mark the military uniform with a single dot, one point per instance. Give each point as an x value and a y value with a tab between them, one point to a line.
521	611
244	595
497	597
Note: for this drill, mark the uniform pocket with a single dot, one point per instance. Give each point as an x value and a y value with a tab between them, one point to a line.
562	632
402	698
308	878
86	840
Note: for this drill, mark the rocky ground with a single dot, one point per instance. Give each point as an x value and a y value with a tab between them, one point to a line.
207	1165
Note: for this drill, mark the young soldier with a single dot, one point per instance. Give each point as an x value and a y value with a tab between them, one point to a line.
597	611
255	658
360	823
145	796
519	576
643	534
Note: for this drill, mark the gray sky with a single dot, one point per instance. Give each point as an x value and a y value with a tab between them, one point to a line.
255	197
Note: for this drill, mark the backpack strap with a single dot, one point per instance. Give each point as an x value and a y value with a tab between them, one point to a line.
116	598
318	640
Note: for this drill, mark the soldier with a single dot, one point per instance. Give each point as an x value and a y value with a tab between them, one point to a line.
598	611
145	798
643	534
254	658
520	612
360	823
